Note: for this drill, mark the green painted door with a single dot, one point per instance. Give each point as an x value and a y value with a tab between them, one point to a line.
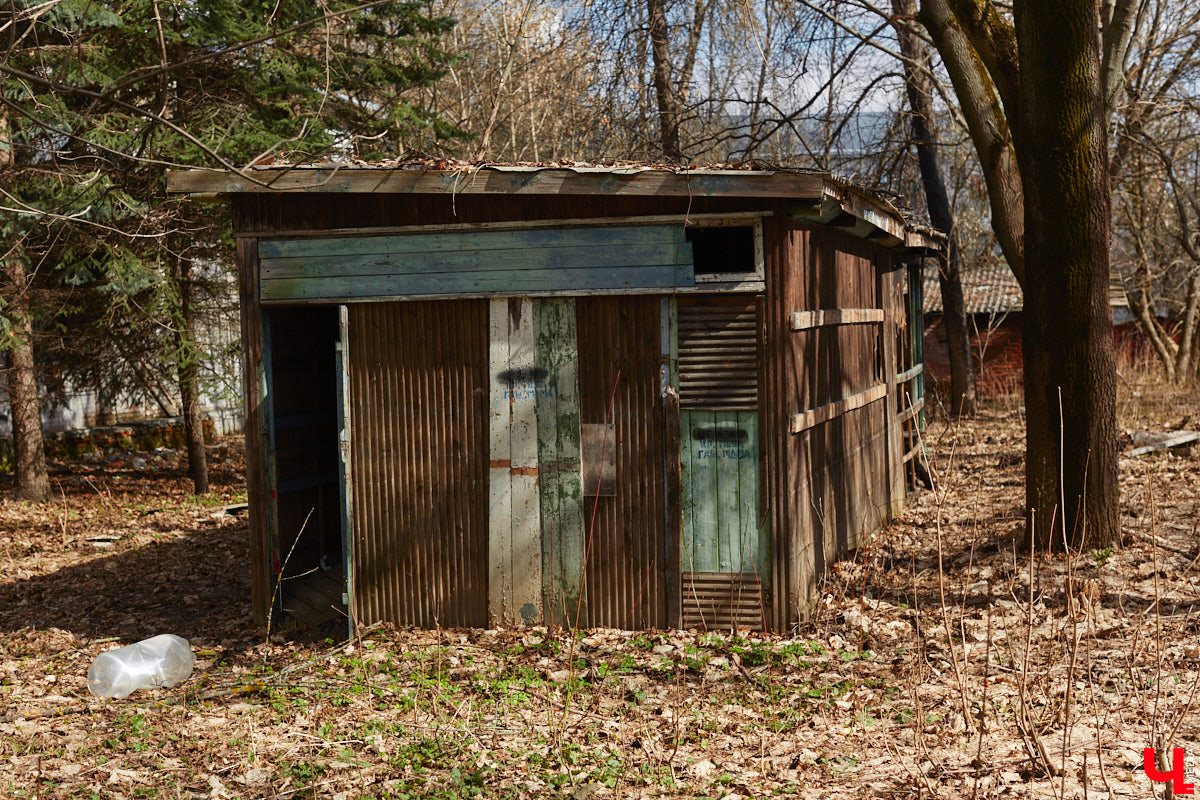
721	524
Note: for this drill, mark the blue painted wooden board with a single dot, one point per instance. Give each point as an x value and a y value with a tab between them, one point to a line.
518	282
519	238
589	257
528	261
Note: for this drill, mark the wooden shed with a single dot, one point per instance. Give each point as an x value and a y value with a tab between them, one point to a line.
626	397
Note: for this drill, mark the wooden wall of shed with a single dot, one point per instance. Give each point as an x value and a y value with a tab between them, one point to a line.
270	214
830	482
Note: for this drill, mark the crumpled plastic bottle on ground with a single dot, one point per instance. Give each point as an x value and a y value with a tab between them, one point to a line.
161	661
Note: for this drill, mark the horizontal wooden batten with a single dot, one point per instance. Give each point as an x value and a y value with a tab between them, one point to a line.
525	238
803	320
909	374
534	262
504	262
813	417
912	410
527	283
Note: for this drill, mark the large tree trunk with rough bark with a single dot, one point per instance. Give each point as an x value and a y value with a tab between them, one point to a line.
187	364
917	77
1070	384
33	482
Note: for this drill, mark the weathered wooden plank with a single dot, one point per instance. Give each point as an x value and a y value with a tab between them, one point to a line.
909	374
559	465
254	430
510	224
1175	440
345	472
748	494
705	494
499	474
531	282
726	449
912	410
523	386
507	261
492	180
807	419
527	238
803	320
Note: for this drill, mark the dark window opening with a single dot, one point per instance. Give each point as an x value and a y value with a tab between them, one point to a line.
722	250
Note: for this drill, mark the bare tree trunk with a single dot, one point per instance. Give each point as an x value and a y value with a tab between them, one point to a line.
668	100
187	364
982	67
1187	336
33	482
1070	373
954	315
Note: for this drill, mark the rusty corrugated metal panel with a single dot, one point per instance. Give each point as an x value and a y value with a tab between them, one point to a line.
418	390
624	534
718	353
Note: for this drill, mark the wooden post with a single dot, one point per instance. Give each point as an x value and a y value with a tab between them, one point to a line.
253	427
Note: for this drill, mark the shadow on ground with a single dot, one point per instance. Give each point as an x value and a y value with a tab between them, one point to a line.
193	583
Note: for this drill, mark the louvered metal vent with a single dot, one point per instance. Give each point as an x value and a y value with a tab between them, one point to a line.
718	357
723	601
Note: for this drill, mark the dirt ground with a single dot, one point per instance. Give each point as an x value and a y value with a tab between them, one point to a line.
942	661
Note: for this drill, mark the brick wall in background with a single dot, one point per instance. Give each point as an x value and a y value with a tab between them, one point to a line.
998	373
996	350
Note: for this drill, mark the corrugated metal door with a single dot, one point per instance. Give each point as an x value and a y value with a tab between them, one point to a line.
418	375
624	525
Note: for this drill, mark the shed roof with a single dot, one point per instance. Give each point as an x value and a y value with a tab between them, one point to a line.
993	289
987	289
821	197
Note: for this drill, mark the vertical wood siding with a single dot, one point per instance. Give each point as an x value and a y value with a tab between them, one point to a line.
419	395
624	533
254	421
831	482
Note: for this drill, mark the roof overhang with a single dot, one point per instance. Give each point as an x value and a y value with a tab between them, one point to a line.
817	197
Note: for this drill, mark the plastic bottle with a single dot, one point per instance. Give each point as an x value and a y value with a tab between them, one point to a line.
161	661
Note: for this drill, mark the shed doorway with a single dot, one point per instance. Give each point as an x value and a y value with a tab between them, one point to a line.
305	474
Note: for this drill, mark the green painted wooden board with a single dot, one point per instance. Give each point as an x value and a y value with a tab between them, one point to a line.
559	467
530	282
529	261
523	238
719	455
